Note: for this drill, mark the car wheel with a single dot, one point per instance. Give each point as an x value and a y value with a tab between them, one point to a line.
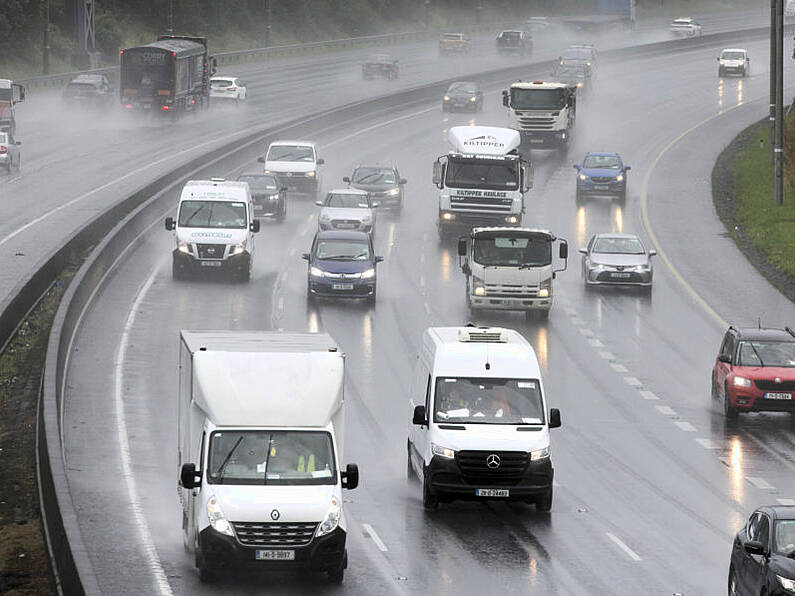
177	272
579	197
410	475
371	299
622	198
729	411
732	587
544	502
714	387
720	72
429	500
335	576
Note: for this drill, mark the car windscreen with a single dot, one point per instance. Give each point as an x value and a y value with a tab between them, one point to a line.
271	457
221	83
618	246
784	537
482	174
766	353
462	88
732	56
452	37
538	99
260	183
346	201
467	400
512	251
602	162
342	250
368	175
571	70
577	54
510	35
291	153
212	214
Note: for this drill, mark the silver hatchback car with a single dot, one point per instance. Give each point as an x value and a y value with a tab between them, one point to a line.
617	259
347	209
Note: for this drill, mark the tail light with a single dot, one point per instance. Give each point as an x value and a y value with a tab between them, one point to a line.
127	106
3	149
165	108
231	88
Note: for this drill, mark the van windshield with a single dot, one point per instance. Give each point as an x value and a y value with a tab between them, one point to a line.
212	214
271	457
468	400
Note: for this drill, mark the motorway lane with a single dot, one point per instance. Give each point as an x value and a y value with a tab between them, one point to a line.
613	361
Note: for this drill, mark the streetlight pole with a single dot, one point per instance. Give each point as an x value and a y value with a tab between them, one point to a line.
45	56
779	150
268	18
772	116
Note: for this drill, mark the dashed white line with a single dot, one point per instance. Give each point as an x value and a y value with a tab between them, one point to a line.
422	281
788	502
634	381
620	544
685	426
293	251
586	332
708	443
371	533
666	410
281	303
648	395
619	368
427	308
760	482
596	343
607	355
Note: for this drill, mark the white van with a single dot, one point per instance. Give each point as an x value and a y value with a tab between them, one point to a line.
295	164
214	229
480	429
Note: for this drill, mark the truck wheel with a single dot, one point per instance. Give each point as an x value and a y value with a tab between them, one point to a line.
335	576
544	502
429	500
176	272
729	411
207	574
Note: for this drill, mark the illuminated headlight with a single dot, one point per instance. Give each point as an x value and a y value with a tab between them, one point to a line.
787	584
268	172
588	63
512	219
446	98
539	454
332	519
579	84
368	274
742	382
184	247
478	286
217	519
238	249
583	177
473	99
444	452
620	178
273	197
315	272
393	192
311	174
545	288
447	216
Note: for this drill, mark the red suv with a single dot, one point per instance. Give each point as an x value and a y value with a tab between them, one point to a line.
755	371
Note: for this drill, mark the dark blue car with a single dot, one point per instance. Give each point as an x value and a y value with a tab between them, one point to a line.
602	174
342	264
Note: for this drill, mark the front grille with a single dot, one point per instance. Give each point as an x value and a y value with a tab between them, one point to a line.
481	203
768	385
511	291
527	123
274	533
474	218
602	179
211	251
345	223
633	277
474	467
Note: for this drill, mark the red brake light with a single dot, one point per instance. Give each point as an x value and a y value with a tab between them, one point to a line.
538	82
173	53
3	149
166	108
230	88
121	52
128	106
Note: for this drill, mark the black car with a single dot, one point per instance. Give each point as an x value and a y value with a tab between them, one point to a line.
269	196
89	91
463	96
342	264
763	554
380	65
514	42
383	183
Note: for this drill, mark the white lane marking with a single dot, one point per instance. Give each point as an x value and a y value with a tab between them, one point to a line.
571	312
634	381
648	395
293	251
760	482
427	308
586	332
788	502
708	443
422	258
666	410
607	355
596	343
422	281
369	531
618	542
685	426
281	303
377	126
619	368
145	537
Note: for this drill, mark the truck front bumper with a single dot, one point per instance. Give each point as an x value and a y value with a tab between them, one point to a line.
510	303
451	222
545	138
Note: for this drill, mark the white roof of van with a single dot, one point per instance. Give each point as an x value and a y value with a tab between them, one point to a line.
514	358
293	143
483	140
216	190
258	378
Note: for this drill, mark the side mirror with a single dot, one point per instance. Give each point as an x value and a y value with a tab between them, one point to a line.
527	178
724	358
754	547
466	269
652	252
18	143
627	168
188	478
260	159
420	418
350	477
305	256
505	99
282	189
170	223
319	203
462	247
320	161
254	226
402	181
346	179
437	173
582	251
576	167
563	251
554	418
379	259
718	58
375	204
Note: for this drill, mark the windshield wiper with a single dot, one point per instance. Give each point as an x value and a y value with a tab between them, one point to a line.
220	469
194	214
753	347
528	265
337	258
368	176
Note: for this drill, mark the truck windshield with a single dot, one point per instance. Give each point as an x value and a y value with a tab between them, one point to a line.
538	99
482	174
271	457
212	214
467	400
512	251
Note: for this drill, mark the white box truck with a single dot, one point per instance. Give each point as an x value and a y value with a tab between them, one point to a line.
261	431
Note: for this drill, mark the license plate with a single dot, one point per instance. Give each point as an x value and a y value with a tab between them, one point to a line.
492	492
275	555
778	396
146	106
210	263
537	141
341	286
600	187
620	275
345	226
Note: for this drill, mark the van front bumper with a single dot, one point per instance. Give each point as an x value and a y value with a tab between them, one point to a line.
220	551
187	263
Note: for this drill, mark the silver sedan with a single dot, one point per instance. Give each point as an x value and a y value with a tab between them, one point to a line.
617	259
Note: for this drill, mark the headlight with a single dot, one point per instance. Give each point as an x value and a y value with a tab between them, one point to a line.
787	584
742	382
273	197
579	84
478	286
512	219
393	192
583	177
473	99
545	288
446	98
324	217
447	216
539	454
238	249
217	519
369	274
184	247
310	174
444	452
315	272
620	178
332	519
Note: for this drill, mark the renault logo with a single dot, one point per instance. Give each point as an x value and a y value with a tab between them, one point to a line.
493	461
275	514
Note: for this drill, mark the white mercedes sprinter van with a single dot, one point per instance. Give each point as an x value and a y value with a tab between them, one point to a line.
214	229
479	423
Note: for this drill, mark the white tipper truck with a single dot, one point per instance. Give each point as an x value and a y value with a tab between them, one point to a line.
542	112
11	94
510	268
482	180
261	431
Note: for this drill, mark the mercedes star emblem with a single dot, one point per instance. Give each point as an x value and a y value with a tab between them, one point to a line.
493	461
275	514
